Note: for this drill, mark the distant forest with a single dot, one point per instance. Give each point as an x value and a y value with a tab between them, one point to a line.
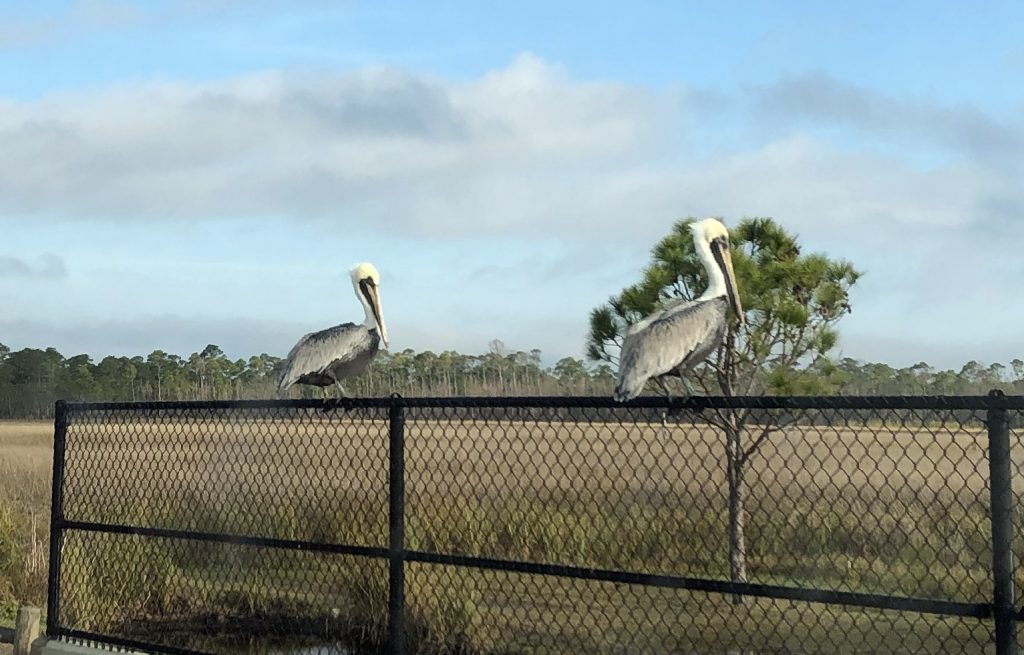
31	380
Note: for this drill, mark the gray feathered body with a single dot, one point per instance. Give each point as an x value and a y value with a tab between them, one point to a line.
672	341
325	357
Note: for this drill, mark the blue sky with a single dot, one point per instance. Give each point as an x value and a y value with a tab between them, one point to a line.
180	173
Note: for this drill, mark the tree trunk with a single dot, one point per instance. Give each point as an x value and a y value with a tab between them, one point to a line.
737	511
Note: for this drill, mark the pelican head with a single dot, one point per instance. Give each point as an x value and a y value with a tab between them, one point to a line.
366	282
712	235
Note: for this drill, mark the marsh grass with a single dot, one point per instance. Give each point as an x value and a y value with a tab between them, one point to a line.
884	510
24	514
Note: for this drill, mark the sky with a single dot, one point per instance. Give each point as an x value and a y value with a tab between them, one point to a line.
178	173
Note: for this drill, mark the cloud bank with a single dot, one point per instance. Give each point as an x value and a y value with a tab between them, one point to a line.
520	149
45	267
386	147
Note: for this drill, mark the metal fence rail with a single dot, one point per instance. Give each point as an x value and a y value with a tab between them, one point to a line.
507	525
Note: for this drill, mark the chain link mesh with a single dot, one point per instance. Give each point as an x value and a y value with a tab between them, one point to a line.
892	502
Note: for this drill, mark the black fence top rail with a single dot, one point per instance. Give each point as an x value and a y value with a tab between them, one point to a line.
694	403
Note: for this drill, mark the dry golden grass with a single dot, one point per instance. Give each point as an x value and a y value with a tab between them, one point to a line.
27	453
519	455
25	457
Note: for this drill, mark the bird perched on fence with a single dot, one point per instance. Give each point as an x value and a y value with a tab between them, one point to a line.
326	357
675	339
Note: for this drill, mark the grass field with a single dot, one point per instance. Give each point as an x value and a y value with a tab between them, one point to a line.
879	509
25	457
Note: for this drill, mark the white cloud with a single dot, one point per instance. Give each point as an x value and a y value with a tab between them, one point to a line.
807	182
817	98
409	152
45	267
522	149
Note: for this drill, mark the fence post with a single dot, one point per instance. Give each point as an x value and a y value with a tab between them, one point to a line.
396	529
26	629
60	429
1001	485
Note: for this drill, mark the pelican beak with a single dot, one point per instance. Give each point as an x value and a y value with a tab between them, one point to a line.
378	315
372	294
723	257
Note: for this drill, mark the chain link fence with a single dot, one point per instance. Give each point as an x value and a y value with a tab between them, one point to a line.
538	525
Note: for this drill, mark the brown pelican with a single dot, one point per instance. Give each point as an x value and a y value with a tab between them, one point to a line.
675	339
326	357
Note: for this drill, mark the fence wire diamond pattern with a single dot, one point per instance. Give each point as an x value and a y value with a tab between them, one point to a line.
538	525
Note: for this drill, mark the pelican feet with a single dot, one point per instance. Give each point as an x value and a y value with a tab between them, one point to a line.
341	401
334	404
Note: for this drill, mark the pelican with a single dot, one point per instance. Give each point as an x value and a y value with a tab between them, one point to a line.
675	339
326	357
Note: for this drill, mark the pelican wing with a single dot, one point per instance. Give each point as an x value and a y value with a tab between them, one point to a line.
674	338
317	352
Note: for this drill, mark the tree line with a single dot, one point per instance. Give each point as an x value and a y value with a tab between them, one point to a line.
31	379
